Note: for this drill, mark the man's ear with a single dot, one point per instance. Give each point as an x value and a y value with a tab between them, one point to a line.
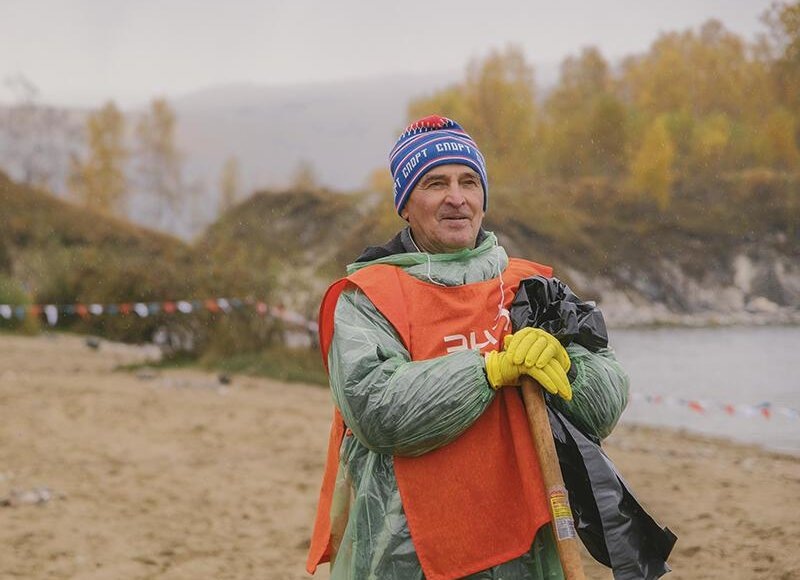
404	214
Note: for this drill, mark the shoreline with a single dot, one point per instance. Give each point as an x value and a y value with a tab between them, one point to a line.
651	318
683	433
716	439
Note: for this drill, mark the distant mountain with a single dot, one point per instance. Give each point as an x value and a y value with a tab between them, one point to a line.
343	130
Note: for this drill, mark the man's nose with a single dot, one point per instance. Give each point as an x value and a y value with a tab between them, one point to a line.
455	195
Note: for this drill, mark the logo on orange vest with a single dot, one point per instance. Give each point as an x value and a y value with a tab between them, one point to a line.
471	341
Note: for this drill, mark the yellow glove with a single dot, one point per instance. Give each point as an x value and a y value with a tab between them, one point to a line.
534	347
553	379
500	370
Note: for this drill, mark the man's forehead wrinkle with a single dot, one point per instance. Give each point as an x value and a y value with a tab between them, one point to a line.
431	175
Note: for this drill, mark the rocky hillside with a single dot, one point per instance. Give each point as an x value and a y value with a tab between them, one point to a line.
642	270
752	282
719	257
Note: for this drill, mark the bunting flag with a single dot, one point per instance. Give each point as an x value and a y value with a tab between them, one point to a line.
53	312
764	410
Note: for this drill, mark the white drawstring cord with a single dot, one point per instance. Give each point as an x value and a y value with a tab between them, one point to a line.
428	257
500	306
501	309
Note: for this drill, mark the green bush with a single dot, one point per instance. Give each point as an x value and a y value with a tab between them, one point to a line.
14	296
285	364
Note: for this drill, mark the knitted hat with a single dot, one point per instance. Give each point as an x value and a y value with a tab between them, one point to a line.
427	143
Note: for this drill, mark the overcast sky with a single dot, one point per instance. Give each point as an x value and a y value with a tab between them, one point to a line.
83	52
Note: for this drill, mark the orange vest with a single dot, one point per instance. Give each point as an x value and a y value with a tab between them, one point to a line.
478	501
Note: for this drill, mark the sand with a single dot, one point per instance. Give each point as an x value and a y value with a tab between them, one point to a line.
110	474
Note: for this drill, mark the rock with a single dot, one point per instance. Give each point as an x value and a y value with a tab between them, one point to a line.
147	374
759	304
35	496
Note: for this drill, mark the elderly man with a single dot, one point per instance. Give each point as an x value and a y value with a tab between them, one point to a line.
431	469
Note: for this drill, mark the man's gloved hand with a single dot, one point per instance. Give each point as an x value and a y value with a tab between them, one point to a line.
533	352
534	347
553	379
500	370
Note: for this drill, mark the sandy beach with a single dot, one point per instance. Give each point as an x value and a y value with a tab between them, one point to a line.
108	474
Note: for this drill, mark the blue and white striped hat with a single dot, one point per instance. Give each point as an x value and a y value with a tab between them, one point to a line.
427	143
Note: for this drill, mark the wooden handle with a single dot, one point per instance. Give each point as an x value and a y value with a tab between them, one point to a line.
563	524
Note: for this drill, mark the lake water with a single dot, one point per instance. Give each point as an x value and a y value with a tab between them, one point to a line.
729	373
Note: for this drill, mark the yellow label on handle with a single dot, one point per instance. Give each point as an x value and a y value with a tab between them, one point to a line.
563	523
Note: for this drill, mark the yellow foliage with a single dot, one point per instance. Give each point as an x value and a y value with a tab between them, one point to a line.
710	140
705	72
651	171
783	20
99	181
778	145
585	126
496	105
697	107
159	159
450	102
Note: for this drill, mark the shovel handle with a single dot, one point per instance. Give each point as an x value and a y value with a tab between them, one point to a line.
563	525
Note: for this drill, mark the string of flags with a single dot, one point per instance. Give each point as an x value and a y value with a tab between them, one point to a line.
764	410
52	312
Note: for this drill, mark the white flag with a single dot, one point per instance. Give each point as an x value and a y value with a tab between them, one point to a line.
51	312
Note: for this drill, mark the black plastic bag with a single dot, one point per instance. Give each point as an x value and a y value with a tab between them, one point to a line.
549	304
613	526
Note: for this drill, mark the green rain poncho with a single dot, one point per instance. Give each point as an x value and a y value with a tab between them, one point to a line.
394	406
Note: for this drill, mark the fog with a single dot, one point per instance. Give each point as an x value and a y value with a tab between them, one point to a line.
85	52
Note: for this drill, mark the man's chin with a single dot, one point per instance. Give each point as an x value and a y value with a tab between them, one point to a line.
459	242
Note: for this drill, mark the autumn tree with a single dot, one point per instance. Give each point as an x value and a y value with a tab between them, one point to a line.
703	72
651	171
777	145
159	163
502	95
714	90
39	139
585	126
304	177
450	102
496	105
711	138
229	184
99	180
783	21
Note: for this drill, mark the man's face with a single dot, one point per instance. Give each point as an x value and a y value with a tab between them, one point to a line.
445	209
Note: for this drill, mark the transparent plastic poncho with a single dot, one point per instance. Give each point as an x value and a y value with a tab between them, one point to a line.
395	406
